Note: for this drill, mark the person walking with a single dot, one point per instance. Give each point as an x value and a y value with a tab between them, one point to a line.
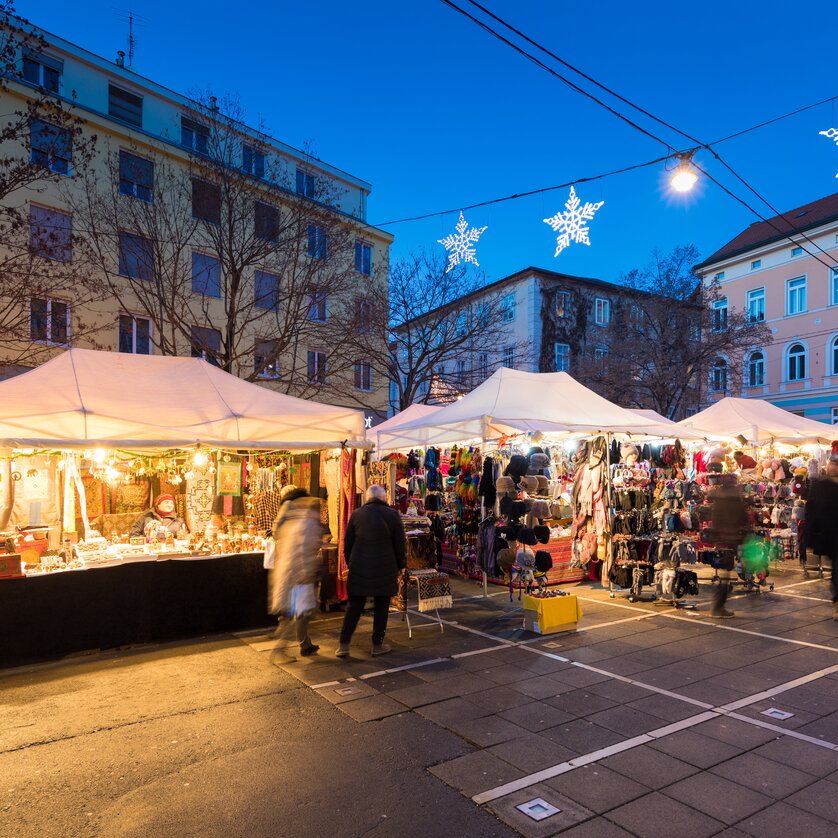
374	547
298	535
822	520
729	523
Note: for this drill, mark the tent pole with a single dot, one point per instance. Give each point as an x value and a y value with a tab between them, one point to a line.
483	569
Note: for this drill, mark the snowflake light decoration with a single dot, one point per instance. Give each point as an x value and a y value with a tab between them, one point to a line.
832	133
571	223
460	244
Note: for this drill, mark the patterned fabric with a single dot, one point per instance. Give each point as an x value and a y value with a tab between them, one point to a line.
200	492
434	589
265	508
347	507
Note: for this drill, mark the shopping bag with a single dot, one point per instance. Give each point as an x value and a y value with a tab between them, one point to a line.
270	554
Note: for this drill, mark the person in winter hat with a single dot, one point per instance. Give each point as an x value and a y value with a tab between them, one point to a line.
162	514
822	520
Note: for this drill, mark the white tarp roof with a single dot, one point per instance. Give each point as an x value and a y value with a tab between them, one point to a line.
413	411
513	401
652	415
83	398
758	421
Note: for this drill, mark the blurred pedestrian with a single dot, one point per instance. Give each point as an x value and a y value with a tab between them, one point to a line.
822	520
374	547
298	535
729	524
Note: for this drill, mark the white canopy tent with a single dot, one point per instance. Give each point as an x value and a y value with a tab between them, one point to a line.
409	414
757	421
652	416
85	399
512	401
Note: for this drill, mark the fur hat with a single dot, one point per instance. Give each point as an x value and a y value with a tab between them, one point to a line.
517	467
540	508
505	505
509	531
542	533
505	484
519	509
527	536
505	559
543	561
628	449
539	460
543	483
530	483
501	543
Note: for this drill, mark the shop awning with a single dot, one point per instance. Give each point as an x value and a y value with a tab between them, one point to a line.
757	421
84	398
512	401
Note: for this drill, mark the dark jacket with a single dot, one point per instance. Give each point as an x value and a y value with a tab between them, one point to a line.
374	546
729	524
821	517
171	522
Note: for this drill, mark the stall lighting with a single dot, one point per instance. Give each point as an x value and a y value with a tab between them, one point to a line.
199	458
99	455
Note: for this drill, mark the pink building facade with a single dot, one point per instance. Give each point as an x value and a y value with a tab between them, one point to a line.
783	272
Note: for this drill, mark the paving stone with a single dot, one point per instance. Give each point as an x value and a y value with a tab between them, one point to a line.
591	654
439	671
782	820
451	710
813	759
579	677
540	664
710	693
426	693
582	736
597	788
392	681
700	751
658	816
764	775
825	728
581	702
812	700
649	767
506	673
623	666
718	797
351	691
536	716
619	691
571	813
734	732
486	660
738	680
498	698
541	687
484	732
798	718
664	707
820	798
627	720
531	752
475	772
597	828
371	709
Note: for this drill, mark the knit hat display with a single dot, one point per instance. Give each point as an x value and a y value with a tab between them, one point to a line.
527	536
517	467
543	561
542	533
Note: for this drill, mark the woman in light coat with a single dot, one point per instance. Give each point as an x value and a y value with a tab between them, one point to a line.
298	534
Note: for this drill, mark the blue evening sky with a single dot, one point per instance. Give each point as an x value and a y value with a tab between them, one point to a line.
437	114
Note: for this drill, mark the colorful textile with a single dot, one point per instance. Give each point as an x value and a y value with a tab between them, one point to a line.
347	507
434	589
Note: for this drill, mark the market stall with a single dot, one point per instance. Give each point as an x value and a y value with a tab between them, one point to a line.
92	441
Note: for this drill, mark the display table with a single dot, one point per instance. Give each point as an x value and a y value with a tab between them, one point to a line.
51	615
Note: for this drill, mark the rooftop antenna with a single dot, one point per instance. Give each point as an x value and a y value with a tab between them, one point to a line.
133	20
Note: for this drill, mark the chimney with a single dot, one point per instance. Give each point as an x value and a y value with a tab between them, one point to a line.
120	58
213	106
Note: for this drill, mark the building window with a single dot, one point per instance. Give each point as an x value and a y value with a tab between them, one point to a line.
756	305
757	263
125	106
364	310
265	363
833	288
193	136
718	376
562	303
719	276
363	376
134	334
316	367
50	147
206	201
562	357
797	251
720	315
508	357
206	275
318	242
601	354
363	258
50	233
43	71
461	325
507	305
602	312
266	290
253	161
797	362
136	176
756	369
835	415
317	308
305	183
834	356
796	295
266	221
636	315
136	257
49	321
206	344
483	364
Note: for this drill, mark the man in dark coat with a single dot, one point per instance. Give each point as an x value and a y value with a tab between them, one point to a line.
729	528
374	547
822	520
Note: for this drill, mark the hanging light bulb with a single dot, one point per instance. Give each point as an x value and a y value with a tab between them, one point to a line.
100	455
685	176
199	458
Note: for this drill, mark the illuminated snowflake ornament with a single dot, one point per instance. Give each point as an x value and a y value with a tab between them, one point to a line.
571	223
460	245
832	133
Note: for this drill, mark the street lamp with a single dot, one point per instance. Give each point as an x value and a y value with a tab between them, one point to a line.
684	177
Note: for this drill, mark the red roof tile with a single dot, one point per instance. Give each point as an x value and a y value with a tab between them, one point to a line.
775	229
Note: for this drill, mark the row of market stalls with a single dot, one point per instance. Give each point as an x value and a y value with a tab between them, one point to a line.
530	477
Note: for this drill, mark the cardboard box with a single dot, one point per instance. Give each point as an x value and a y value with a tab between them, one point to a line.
10	566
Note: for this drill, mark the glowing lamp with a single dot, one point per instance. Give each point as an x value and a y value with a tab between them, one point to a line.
684	177
199	458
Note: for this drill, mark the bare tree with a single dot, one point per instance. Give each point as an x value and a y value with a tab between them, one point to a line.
222	255
43	144
436	319
670	338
